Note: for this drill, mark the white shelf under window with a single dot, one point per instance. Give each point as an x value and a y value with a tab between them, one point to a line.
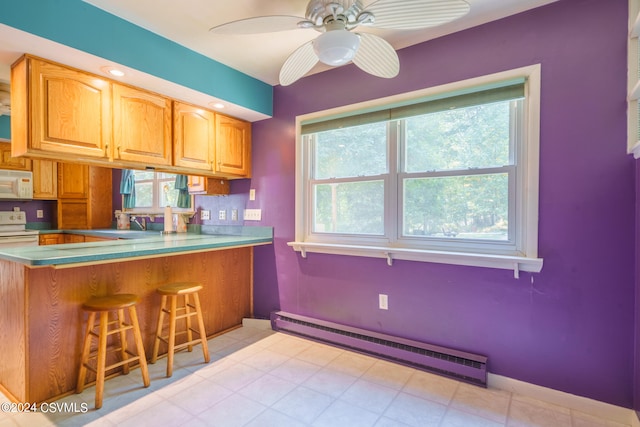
508	262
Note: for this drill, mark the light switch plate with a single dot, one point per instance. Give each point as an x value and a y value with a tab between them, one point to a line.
205	214
253	214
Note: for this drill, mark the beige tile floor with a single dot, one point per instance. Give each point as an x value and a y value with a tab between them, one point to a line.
258	378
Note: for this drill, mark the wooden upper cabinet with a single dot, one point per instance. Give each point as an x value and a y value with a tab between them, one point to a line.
233	147
141	126
193	137
64	114
208	185
59	112
9	162
45	179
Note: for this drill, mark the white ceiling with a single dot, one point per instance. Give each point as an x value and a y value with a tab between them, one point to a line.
187	22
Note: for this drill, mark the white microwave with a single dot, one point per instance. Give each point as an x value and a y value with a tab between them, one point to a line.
16	185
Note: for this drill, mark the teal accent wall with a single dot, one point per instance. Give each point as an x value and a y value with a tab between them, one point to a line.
5	127
82	26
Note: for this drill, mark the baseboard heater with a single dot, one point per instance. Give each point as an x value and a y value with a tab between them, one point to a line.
463	366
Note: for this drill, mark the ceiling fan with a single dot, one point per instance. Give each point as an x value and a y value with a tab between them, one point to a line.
338	45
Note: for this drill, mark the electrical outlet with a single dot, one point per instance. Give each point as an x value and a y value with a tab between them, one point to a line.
253	214
222	215
39	213
204	214
383	302
234	214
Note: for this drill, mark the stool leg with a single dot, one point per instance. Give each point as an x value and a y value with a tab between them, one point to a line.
123	341
84	356
156	343
187	309
172	334
102	357
203	334
133	315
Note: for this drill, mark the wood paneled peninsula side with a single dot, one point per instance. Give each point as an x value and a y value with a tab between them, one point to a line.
43	287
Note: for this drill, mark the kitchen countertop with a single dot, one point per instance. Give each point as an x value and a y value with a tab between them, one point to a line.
130	244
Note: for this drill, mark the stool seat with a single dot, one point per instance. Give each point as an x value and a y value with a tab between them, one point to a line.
110	302
169	305
179	288
103	307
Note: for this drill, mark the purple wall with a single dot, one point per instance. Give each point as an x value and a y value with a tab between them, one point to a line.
569	327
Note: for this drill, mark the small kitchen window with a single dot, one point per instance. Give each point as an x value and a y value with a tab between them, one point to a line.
156	190
448	174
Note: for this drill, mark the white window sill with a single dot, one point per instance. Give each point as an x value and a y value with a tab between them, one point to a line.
507	262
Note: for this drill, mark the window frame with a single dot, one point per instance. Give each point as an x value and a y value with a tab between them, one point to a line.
155	210
526	259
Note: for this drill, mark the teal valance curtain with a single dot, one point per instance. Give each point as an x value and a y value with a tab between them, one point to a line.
128	188
182	185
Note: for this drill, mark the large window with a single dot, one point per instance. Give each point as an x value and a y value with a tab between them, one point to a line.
445	175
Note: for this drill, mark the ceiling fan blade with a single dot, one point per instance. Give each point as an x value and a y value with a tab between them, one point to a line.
298	64
258	25
376	56
416	14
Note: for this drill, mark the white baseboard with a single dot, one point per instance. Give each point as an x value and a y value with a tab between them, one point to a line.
571	401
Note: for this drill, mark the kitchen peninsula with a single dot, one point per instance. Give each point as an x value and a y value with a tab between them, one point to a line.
43	287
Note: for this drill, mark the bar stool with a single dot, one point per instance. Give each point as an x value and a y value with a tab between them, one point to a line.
104	306
172	291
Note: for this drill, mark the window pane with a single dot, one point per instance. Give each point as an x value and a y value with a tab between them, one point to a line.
351	208
144	175
165	175
351	152
461	207
473	137
168	194
144	194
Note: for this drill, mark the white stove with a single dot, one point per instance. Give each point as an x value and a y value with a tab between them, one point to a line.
13	232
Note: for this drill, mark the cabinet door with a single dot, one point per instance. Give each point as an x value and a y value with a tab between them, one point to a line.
50	239
141	126
196	184
45	179
193	137
70	111
73	215
74	238
208	185
73	181
9	162
233	146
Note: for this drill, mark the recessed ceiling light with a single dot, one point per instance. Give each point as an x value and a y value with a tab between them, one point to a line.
113	71
218	105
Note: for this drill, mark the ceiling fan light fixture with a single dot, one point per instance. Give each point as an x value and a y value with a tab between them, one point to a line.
336	47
